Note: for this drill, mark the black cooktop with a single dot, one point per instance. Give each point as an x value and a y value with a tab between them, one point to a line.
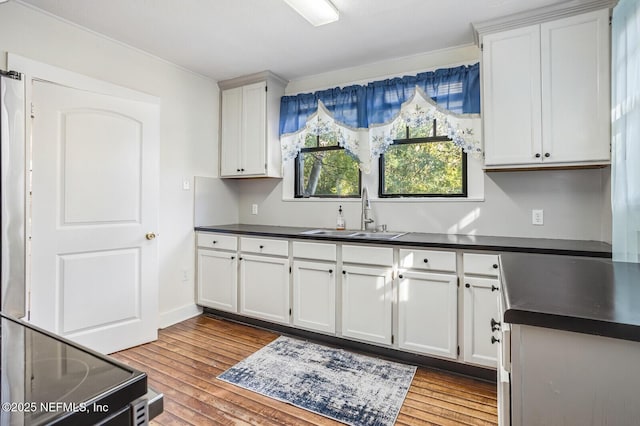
49	380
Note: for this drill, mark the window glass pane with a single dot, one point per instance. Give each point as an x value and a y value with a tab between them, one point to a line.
328	139
332	173
429	168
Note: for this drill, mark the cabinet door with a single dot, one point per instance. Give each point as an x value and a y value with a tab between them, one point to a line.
480	307
254	129
217	279
428	313
575	88
314	295
264	287
366	303
511	96
231	136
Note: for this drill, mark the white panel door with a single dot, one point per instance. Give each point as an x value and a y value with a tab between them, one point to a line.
428	313
366	303
314	295
511	105
575	88
264	287
480	307
254	129
94	274
231	133
218	279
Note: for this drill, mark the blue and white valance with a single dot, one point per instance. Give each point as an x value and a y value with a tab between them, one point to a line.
364	116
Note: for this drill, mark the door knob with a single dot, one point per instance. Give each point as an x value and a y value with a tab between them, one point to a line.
150	236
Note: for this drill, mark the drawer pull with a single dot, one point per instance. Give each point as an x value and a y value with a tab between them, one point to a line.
261	247
215	242
239	258
495	325
344	272
400	276
467	285
537	155
547	155
426	260
233	257
494	288
494	340
331	271
495	266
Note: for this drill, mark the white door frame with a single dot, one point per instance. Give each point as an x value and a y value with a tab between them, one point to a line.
34	70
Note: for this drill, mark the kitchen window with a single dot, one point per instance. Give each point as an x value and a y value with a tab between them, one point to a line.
325	169
419	163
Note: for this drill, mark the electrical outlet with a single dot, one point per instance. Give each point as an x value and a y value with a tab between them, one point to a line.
537	217
186	183
254	209
185	275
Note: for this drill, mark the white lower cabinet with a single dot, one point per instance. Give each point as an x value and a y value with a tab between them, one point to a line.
218	279
314	295
428	313
264	287
349	291
480	308
366	303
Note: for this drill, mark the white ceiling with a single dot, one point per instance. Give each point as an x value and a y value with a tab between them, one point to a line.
224	39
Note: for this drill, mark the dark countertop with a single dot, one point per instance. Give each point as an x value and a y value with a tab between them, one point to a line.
451	241
585	295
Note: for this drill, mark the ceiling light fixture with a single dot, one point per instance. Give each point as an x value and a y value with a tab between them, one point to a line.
318	12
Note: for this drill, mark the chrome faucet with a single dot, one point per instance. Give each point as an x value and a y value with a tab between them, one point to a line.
365	217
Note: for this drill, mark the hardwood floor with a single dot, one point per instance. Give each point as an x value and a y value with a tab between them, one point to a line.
185	360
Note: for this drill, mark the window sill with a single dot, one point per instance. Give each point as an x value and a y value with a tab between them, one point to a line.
389	200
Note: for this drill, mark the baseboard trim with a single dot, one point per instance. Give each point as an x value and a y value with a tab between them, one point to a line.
388	353
177	315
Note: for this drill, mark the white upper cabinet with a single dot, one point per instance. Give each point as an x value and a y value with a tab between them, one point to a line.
546	93
249	140
576	88
511	96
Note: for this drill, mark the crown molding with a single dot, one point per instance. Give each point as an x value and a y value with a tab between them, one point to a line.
537	16
252	78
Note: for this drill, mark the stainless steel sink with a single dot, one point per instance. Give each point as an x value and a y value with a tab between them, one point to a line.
354	234
329	232
377	235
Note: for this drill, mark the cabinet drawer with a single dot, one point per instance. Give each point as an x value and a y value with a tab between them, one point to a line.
317	251
264	246
368	255
217	241
481	264
428	260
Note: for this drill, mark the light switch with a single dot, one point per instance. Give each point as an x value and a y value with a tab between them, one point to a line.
254	209
186	184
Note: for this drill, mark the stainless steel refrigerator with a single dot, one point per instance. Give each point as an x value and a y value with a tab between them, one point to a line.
13	166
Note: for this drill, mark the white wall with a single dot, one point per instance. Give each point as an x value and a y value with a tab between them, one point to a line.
188	127
575	202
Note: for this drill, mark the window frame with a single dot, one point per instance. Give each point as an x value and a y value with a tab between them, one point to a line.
297	177
410	141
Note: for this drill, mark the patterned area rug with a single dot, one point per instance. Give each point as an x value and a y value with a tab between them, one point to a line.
351	388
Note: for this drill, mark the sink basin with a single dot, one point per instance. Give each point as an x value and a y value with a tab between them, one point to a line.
377	235
329	232
354	234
